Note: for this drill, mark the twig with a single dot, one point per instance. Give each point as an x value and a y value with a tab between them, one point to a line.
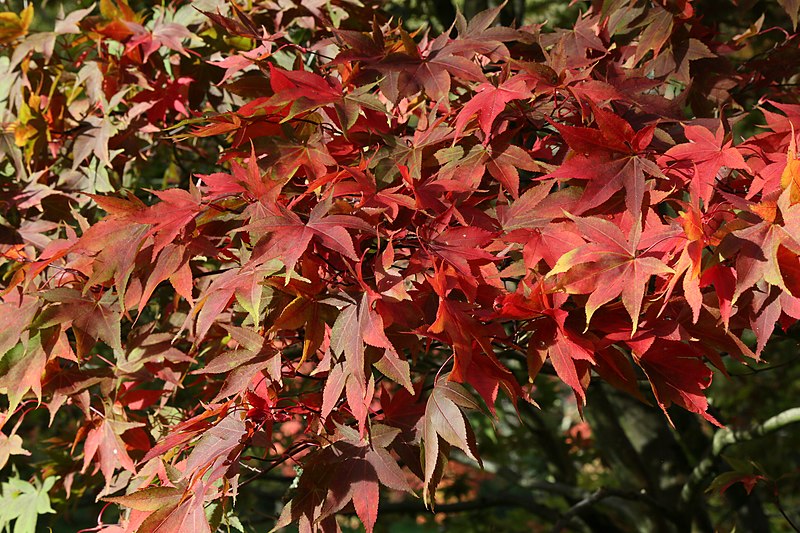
785	515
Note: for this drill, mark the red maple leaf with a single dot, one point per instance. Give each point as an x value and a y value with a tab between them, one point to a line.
611	158
608	266
704	156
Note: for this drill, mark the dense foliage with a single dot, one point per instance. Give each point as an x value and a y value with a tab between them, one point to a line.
238	240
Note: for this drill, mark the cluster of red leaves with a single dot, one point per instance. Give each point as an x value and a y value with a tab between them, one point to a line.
401	220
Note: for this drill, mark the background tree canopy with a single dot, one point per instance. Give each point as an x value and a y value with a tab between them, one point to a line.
403	266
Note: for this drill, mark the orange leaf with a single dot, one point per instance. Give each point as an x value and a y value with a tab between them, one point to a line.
15	25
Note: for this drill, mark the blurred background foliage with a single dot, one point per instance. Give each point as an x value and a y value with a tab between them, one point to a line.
591	469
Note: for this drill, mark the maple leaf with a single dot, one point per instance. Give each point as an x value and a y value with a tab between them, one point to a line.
461	246
165	96
97	318
304	91
351	469
23	502
291	154
10	445
177	511
171	217
17	315
94	141
309	314
103	442
488	376
254	356
657	30
243	284
529	221
480	35
568	353
688	266
149	499
463	332
610	158
608	266
444	419
723	278
187	430
677	375
501	158
406	69
756	247
173	265
707	155
218	447
290	236
724	481
489	102
356	326
21	370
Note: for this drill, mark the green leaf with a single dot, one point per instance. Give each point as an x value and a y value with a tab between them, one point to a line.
23	502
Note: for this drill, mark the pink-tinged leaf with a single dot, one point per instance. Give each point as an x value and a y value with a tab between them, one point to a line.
334	386
103	442
488	375
765	313
187	515
460	246
149	499
359	398
16	316
169	261
444	419
217	445
346	340
186	431
365	501
99	318
12	445
389	472
395	368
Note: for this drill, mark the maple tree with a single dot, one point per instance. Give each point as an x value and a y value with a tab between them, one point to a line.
365	239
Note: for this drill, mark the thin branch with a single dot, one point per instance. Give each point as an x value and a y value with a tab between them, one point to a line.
777	502
726	437
603	493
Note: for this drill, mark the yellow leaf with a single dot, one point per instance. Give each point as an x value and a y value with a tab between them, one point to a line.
116	10
790	178
23	133
13	25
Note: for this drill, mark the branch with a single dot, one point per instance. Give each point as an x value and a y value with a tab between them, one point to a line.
522	501
727	437
603	493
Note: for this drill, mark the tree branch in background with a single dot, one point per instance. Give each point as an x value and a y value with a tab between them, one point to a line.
726	437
